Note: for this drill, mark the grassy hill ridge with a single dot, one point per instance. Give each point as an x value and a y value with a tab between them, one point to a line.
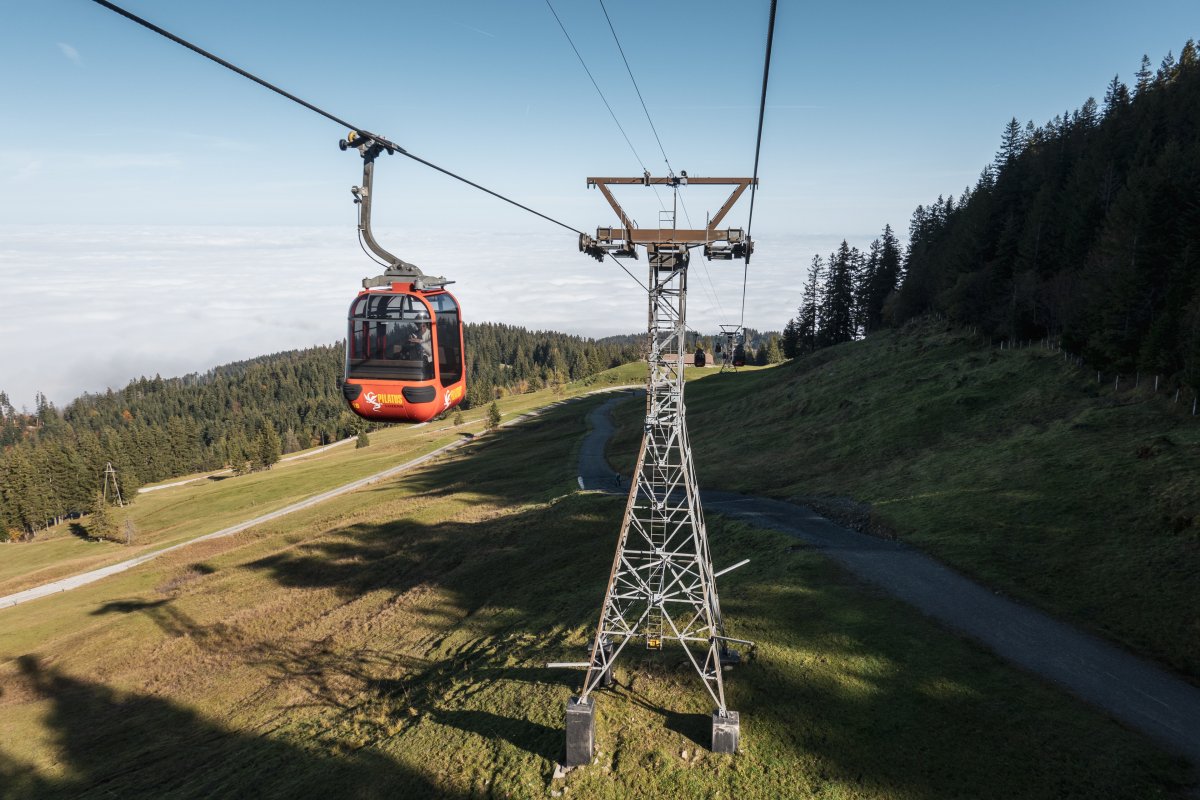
1014	467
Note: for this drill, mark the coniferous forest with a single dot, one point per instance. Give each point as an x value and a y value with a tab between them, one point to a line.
242	415
1085	229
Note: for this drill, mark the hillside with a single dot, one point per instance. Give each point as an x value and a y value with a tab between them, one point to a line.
392	642
1013	466
1083	230
242	415
1085	227
167	514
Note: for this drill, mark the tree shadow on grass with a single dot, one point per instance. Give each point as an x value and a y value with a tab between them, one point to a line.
118	744
532	737
172	621
128	607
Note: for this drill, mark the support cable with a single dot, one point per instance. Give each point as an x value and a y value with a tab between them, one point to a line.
603	99
636	89
583	63
390	146
712	289
762	107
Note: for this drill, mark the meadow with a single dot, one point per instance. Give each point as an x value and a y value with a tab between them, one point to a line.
393	642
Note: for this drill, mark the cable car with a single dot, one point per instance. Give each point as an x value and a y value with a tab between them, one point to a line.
405	360
404	354
734	351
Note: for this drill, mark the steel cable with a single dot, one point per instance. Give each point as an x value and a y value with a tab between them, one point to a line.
389	145
762	107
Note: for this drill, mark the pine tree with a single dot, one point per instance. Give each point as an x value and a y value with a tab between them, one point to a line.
1089	114
772	353
790	344
1142	77
1115	96
493	417
101	524
808	320
269	447
867	308
1187	57
363	440
1012	142
1166	70
237	453
890	270
837	313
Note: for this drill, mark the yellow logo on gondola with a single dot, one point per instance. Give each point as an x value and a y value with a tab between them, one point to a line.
377	401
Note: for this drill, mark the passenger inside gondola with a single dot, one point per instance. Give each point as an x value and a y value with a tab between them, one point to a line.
420	342
390	339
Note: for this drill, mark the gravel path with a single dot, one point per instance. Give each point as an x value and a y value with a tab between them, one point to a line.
1134	691
84	578
304	454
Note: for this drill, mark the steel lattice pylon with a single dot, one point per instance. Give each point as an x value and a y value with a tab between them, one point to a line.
732	335
662	586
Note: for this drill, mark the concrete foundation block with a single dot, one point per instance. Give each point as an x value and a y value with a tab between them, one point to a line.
581	732
725	731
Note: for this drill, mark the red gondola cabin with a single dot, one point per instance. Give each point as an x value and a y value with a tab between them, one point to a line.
404	354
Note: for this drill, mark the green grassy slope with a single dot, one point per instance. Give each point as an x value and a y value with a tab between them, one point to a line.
173	515
390	643
1012	466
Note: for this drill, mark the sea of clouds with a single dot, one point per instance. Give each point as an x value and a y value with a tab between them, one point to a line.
83	309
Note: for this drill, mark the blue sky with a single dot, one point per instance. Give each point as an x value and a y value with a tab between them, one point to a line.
117	140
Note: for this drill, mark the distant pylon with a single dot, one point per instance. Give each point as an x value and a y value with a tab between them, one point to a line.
732	335
110	475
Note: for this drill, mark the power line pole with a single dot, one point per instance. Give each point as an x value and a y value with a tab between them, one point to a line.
110	474
662	586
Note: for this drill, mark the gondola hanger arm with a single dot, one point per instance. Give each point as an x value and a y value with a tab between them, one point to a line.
369	146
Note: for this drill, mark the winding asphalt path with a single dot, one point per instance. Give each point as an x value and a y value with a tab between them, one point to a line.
1134	691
